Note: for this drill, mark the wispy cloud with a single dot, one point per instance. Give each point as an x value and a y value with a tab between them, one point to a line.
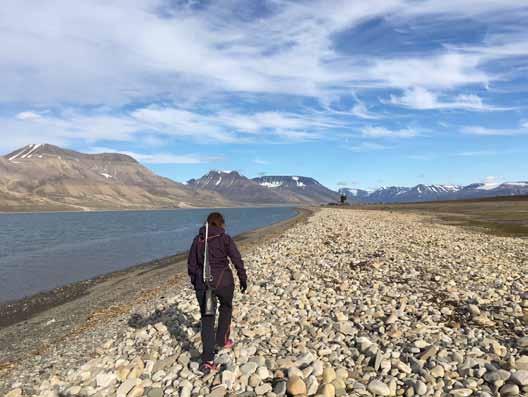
422	99
476	153
361	111
423	157
151	53
147	72
484	131
162	158
154	123
382	132
365	147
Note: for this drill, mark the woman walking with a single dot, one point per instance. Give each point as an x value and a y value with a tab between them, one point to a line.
220	247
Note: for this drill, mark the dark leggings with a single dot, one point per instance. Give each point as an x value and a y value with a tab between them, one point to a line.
225	297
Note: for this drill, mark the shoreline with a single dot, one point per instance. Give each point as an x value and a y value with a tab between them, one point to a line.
32	328
15	311
350	302
97	210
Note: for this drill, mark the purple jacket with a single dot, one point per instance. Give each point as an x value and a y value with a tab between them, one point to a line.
220	247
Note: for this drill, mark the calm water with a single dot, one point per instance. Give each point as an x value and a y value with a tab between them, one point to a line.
39	252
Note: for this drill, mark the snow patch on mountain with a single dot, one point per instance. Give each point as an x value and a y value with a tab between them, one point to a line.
25	152
272	185
488	186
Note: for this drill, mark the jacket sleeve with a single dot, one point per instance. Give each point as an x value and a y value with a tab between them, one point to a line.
236	258
192	262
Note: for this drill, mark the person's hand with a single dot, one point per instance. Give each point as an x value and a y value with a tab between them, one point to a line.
243	286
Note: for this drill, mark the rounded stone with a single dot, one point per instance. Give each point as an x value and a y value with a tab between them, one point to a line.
296	386
379	388
263	389
249	368
520	378
327	390
14	393
329	375
461	392
438	371
509	389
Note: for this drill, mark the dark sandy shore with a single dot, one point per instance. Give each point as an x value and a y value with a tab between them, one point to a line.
25	325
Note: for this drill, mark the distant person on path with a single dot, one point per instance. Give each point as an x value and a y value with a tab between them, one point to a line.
220	247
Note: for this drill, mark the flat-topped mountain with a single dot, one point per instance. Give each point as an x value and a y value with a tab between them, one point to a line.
237	188
299	188
47	177
266	189
47	151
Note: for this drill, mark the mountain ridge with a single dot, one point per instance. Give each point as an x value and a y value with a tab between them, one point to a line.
436	192
47	177
301	188
236	187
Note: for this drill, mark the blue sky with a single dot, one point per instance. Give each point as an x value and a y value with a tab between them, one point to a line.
358	94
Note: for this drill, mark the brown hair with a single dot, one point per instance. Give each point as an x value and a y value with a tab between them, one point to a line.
215	219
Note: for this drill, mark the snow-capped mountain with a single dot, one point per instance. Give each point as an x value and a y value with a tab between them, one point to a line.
298	188
43	176
400	194
237	188
491	189
354	194
266	189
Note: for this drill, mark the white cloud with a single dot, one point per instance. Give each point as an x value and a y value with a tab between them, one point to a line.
476	153
484	131
261	162
422	99
154	125
365	147
361	111
382	132
423	157
74	52
445	71
30	116
121	53
162	158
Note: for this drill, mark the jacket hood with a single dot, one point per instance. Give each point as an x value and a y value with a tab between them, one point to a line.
213	231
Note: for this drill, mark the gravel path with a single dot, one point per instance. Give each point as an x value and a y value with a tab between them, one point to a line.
347	303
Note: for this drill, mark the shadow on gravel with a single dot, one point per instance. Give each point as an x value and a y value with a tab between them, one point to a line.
176	321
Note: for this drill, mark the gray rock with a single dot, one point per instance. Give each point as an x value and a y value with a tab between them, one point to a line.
249	368
520	378
378	388
312	385
218	391
125	387
155	392
263	389
305	359
522	342
509	389
280	388
228	379
420	388
462	392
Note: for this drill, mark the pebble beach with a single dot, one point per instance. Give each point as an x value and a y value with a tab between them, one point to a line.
345	303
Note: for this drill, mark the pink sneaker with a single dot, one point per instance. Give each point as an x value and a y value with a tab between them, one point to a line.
229	344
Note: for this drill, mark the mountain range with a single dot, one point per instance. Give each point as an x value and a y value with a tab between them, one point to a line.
46	177
399	194
266	189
